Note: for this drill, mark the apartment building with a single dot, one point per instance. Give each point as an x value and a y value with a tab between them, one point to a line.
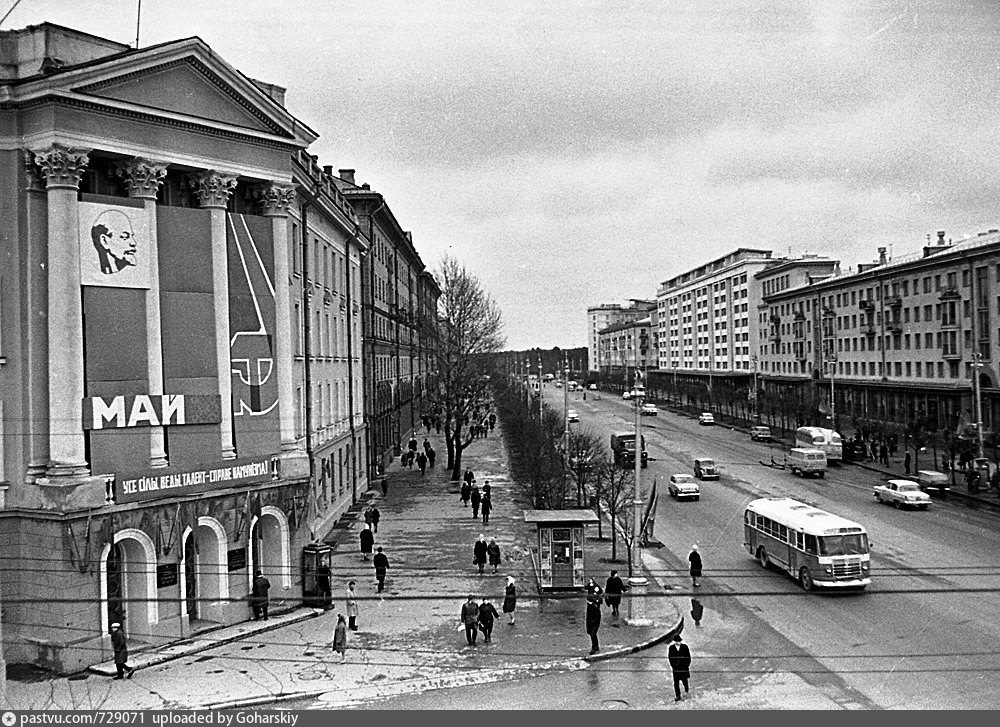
599	317
627	346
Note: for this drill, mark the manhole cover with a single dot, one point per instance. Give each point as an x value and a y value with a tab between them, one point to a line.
614	704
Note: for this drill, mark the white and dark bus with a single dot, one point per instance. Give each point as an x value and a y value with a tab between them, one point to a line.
819	438
818	549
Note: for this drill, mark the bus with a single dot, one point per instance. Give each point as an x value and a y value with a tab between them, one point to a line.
818	438
816	548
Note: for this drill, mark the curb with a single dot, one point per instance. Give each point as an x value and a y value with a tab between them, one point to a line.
648	644
200	645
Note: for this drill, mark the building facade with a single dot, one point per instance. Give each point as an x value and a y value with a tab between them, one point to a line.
627	346
600	317
153	452
399	331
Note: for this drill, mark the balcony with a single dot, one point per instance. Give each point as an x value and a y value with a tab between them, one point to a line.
949	293
951	354
865	304
894	301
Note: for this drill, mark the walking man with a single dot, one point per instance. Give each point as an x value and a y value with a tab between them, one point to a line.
694	558
486	506
476	498
368	516
381	564
259	595
376	516
493	552
906	464
431	454
466	493
469	477
487	613
613	590
470	618
352	607
422	462
367	542
679	656
121	652
593	614
479	553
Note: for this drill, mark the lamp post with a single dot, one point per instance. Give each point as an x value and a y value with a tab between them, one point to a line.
753	396
566	410
539	387
637	584
977	364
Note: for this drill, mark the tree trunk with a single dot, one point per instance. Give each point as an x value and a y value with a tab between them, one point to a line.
614	536
455	445
449	444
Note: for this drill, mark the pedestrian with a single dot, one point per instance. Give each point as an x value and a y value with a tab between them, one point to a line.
694	558
367	542
381	563
486	507
368	516
376	516
427	444
470	619
120	646
437	425
696	611
385	487
883	452
426	421
352	606
479	553
469	477
487	613
412	446
493	420
431	454
679	656
409	459
487	491
259	595
476	498
613	589
340	638
510	598
323	584
466	493
493	553
906	463
593	614
422	462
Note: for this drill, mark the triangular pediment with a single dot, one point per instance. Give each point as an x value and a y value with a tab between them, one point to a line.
185	86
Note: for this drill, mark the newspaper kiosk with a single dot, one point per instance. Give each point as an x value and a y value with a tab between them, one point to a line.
559	554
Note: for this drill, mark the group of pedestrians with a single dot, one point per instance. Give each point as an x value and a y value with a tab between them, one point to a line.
483	553
476	617
482	502
423	458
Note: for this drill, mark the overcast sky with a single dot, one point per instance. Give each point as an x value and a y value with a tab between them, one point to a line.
573	153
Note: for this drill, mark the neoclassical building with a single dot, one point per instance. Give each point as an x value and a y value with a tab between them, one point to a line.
154	449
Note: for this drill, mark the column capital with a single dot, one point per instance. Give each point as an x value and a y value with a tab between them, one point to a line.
276	198
34	176
61	166
143	176
214	188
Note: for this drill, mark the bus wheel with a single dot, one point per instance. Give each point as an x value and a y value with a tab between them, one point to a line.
762	558
805	579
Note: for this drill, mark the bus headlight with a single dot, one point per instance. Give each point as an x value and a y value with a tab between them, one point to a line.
864	566
828	570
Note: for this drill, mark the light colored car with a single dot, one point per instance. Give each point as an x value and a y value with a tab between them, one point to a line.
649	410
706	419
627	394
683	486
902	493
592	387
760	434
558	384
572	415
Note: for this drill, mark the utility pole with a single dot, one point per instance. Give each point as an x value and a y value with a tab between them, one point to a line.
976	366
637	584
539	388
566	411
832	362
753	397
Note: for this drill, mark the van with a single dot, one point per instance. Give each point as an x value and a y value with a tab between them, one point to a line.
705	469
623	449
760	434
819	438
807	462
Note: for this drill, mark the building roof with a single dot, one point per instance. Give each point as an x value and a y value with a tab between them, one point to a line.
560	516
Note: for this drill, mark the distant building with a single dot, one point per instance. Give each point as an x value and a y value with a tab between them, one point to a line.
601	316
627	346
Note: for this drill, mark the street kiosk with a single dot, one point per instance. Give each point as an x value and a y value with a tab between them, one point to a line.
559	554
316	559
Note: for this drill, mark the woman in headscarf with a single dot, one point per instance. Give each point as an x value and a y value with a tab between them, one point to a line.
510	598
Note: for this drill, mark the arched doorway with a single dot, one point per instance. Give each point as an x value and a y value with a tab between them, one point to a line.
115	584
205	585
128	583
190	576
269	547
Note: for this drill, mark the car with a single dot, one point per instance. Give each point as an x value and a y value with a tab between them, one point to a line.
558	384
902	493
683	486
705	468
933	481
627	394
649	410
592	387
639	391
706	419
760	434
572	415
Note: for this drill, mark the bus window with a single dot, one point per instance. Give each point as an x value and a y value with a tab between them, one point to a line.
783	533
811	544
843	544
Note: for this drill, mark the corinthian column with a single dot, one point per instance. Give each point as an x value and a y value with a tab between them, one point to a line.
36	329
214	189
144	178
276	199
62	168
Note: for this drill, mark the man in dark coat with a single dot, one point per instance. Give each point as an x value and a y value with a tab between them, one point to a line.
487	613
466	493
121	652
469	477
613	590
476	497
493	552
259	595
323	584
381	563
593	614
413	444
694	558
679	656
470	618
376	516
479	552
422	462
367	542
486	507
431	454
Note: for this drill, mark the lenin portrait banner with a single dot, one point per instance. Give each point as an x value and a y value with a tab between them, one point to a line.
114	246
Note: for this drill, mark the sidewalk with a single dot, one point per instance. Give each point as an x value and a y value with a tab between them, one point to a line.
410	639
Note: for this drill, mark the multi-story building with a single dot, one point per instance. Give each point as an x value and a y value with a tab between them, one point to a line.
898	340
601	316
627	346
152	448
399	325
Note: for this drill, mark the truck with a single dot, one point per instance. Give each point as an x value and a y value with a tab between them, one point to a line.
623	449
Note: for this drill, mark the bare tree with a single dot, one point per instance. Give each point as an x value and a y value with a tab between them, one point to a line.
469	329
615	487
584	458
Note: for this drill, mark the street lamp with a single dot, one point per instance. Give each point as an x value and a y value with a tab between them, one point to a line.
977	364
